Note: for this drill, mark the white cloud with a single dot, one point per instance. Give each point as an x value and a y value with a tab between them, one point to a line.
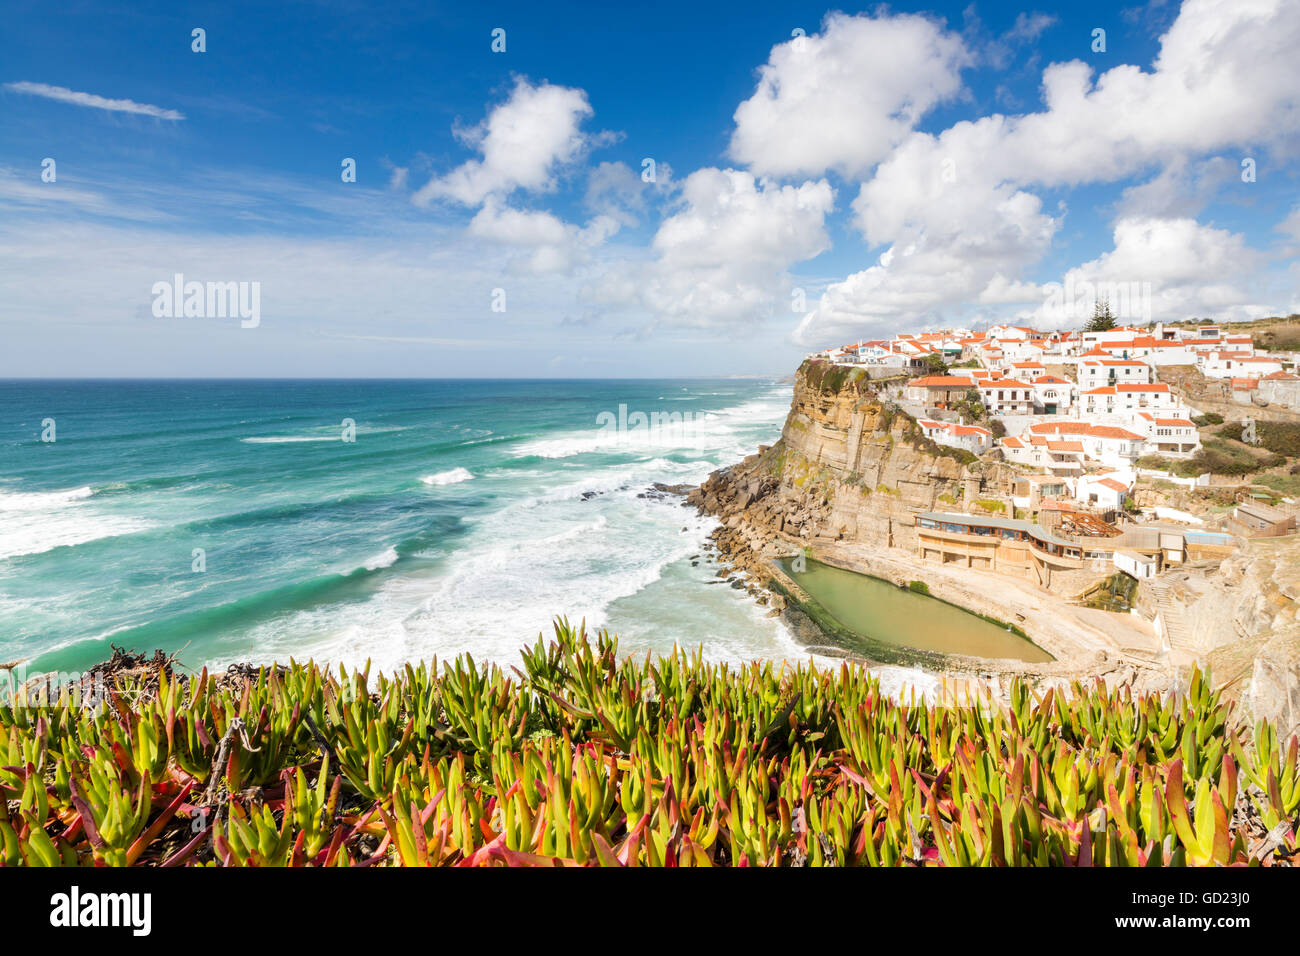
956	209
936	267
1189	270
552	245
64	95
724	255
1029	26
1181	188
618	191
842	98
522	143
1001	291
1291	224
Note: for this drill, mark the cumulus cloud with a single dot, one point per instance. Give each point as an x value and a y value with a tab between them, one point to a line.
551	245
64	95
937	266
523	142
1029	26
1291	224
724	255
1166	269
618	191
842	98
1226	75
1181	188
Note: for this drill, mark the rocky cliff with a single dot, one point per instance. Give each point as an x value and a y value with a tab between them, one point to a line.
850	471
848	467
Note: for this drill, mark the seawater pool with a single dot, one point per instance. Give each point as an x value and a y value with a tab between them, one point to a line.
883	615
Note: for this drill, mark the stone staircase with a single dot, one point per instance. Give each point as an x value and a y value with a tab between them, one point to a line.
1177	631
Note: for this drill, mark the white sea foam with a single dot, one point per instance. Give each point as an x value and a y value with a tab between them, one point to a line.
724	430
37	521
41	500
331	433
288	439
546	550
451	477
387	559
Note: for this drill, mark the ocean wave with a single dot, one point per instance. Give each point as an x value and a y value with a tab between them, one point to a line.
38	521
42	500
289	439
712	430
332	433
385	560
451	477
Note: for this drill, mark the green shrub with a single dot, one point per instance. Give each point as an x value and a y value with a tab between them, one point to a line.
920	587
1155	463
1280	438
587	757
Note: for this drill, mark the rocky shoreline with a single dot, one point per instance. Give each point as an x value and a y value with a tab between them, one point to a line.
842	486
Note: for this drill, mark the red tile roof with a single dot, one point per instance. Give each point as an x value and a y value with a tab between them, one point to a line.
1001	383
940	381
1112	431
1082	428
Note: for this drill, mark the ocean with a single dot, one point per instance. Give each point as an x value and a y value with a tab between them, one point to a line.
347	521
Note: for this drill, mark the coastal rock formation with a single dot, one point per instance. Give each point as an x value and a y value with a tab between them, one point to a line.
850	472
848	467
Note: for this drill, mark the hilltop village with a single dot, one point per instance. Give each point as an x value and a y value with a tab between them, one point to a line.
1127	497
1087	413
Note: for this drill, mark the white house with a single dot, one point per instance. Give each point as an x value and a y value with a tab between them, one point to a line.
1238	365
1244	390
1110	445
1007	333
974	439
1027	371
1126	400
1054	395
1098	373
1005	396
1061	456
1172	437
1121	333
1152	350
1106	492
1140	566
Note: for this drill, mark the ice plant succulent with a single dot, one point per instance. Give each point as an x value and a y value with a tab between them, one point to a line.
586	758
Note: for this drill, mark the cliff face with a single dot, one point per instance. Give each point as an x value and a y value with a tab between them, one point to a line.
847	467
850	472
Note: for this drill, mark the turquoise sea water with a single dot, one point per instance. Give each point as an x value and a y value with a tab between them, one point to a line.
464	517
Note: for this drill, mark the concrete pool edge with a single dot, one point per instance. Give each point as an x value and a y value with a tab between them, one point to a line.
881	652
1082	650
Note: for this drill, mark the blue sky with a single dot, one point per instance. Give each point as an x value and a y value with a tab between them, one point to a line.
893	168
